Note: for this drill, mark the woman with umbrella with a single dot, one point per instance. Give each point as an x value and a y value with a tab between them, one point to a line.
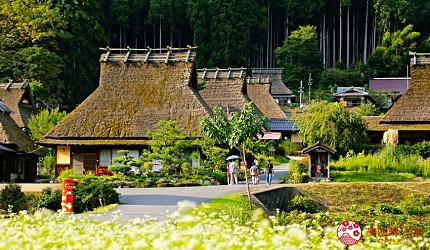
233	168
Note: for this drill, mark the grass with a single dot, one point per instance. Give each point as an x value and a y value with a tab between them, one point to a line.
234	205
102	210
341	196
354	176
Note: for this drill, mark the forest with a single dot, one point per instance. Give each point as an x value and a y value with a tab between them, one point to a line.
55	43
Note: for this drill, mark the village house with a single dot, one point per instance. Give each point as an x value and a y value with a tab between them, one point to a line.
410	115
351	97
138	88
18	153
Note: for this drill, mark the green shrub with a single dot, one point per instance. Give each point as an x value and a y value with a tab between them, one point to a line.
50	199
12	198
220	176
288	148
90	196
303	204
69	173
415	205
422	148
117	169
386	208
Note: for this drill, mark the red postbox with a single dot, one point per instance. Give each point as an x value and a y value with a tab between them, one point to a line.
67	195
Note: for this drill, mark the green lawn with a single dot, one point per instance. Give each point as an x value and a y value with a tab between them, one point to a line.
353	176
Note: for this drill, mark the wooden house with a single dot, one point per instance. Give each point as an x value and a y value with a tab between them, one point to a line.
410	115
319	160
351	97
225	88
138	88
281	93
17	97
18	153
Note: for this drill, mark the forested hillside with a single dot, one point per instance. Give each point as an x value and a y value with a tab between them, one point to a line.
55	43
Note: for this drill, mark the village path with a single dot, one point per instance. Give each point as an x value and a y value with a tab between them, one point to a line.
156	202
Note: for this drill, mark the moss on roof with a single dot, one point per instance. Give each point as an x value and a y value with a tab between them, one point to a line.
11	134
259	93
414	104
131	99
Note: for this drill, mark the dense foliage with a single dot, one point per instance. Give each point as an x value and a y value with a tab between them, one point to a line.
391	159
332	124
55	44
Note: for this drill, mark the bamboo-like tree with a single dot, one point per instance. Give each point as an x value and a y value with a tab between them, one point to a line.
238	132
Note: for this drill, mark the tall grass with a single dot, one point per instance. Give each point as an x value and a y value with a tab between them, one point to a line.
389	159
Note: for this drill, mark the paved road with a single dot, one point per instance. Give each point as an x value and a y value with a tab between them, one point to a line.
154	202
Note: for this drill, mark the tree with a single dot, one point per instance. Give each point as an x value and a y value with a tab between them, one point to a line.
332	124
239	132
39	125
168	145
299	56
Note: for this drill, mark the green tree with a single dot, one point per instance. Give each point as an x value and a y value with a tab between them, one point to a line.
39	125
239	132
367	109
391	58
331	123
168	145
299	56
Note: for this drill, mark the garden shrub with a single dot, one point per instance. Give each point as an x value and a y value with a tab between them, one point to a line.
386	208
422	148
415	205
12	198
90	196
303	204
220	176
50	199
119	169
289	148
69	173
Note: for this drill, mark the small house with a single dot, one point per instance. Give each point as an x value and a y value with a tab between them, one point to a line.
319	160
351	97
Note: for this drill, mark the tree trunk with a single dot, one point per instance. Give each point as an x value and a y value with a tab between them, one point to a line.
347	38
365	33
340	31
354	42
248	192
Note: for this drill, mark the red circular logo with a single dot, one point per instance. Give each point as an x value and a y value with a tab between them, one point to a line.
349	232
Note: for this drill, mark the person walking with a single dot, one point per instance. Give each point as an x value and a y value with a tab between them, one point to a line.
233	172
268	170
228	173
254	174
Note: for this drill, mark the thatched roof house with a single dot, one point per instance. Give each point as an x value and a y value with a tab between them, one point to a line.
17	96
225	88
18	153
259	93
138	88
281	93
410	115
135	92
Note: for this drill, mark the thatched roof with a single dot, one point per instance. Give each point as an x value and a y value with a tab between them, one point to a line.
374	124
132	97
17	96
259	93
275	74
414	105
318	146
13	137
224	88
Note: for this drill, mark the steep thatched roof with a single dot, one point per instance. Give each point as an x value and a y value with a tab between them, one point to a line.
414	105
132	97
17	96
275	74
259	93
374	124
13	137
224	88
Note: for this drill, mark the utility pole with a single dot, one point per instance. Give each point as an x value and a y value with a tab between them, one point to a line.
301	95
310	85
